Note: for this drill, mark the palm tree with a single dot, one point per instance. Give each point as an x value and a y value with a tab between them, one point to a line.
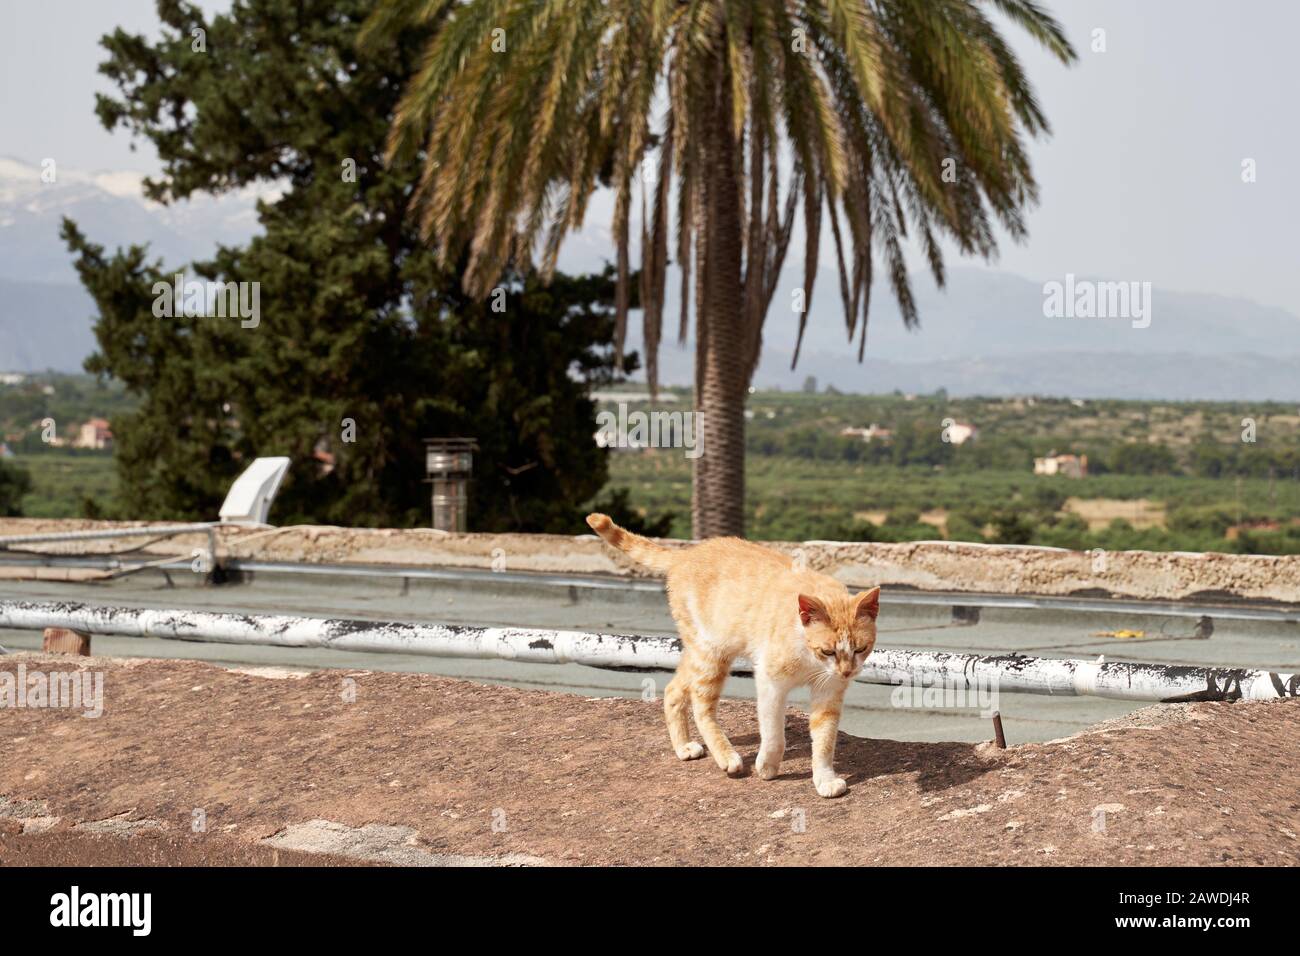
891	117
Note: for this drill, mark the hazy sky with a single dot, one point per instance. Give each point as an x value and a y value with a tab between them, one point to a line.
1141	180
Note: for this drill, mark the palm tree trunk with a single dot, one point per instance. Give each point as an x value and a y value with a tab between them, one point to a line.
721	361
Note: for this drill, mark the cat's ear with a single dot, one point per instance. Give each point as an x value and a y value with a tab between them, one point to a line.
811	609
868	604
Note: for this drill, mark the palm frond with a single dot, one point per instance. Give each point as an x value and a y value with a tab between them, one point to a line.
520	111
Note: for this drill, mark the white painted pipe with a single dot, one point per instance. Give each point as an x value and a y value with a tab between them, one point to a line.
1014	673
1119	680
436	640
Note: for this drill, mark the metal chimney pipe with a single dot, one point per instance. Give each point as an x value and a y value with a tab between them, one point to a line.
449	462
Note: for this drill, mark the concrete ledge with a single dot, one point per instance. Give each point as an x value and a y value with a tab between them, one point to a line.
925	566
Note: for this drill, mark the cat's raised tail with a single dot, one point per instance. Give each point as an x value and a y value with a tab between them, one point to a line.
638	548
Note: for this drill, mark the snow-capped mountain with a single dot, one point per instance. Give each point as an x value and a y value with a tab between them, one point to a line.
110	207
45	314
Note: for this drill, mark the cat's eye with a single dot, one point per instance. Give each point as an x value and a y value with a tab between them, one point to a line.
828	652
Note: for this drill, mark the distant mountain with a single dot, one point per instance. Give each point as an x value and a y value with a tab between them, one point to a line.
986	313
45	314
984	334
1177	376
44	325
110	209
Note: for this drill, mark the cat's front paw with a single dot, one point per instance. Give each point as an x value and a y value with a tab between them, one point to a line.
831	787
767	769
690	751
735	766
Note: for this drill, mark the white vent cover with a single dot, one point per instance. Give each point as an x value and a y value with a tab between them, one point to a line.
249	499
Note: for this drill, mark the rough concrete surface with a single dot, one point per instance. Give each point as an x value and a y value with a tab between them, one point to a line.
412	769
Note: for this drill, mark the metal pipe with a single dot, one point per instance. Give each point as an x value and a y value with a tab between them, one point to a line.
54	536
1015	673
211	562
1288	614
437	640
1118	680
124	569
449	463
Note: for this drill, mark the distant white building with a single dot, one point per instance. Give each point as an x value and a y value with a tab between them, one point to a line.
958	433
1071	466
94	434
631	398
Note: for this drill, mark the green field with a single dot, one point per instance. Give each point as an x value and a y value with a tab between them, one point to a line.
789	499
1162	476
63	482
66	482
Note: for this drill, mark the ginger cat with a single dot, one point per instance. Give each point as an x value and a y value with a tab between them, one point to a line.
732	598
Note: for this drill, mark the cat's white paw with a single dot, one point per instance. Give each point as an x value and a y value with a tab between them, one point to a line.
767	769
690	751
735	766
832	787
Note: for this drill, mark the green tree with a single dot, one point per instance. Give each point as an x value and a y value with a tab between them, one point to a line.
1012	527
15	484
920	443
1046	497
964	526
894	114
365	345
1143	458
